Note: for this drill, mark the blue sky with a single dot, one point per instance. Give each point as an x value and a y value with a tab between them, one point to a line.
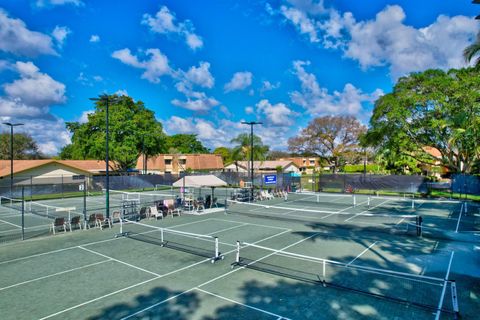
204	66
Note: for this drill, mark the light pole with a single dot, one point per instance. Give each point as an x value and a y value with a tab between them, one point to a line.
251	124
105	98
11	153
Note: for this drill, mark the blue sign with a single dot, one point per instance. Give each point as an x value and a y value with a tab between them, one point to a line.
270	179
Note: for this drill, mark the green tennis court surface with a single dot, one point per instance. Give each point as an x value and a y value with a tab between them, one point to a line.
296	259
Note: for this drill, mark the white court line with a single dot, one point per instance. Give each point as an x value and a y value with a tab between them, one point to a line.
361	253
459	217
12	224
359	214
251	224
442	296
120	261
73	247
54	274
226	229
186	291
242	304
142	283
259	259
124	289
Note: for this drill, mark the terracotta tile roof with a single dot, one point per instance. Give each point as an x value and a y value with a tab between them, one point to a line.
193	161
267	165
434	152
19	166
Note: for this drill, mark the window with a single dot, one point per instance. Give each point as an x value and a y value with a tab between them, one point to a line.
182	161
312	162
168	162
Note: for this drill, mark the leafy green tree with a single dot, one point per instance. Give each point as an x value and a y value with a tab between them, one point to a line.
335	138
226	154
242	150
132	128
276	154
24	147
185	144
430	109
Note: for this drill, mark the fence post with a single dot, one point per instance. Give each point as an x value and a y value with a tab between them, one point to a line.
85	204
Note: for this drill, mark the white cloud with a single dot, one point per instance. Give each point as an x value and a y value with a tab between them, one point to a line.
16	38
385	40
249	110
276	114
47	3
200	76
155	66
121	92
239	81
268	86
28	99
301	21
94	38
217	134
84	117
318	101
202	103
164	22
60	34
34	89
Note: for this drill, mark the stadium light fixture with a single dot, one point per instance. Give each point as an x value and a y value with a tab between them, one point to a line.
11	125
251	124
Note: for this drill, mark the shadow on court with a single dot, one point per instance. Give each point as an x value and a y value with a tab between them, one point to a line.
180	308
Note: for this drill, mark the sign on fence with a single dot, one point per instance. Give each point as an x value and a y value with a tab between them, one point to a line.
270	179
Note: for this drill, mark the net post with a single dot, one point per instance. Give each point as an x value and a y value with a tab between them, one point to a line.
237	254
368	202
23	213
465	208
453	287
354	200
413	203
318	198
324	270
217	254
161	236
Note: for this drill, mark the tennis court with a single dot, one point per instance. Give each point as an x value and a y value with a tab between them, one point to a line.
307	257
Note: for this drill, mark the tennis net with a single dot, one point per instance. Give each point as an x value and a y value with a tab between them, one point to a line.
362	221
410	289
196	244
11	203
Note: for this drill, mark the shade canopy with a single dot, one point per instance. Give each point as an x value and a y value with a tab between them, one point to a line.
208	180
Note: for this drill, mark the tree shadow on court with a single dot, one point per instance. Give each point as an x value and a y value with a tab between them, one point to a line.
178	308
346	294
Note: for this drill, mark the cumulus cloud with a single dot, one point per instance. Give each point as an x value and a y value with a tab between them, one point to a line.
200	75
84	117
155	63
268	86
201	103
17	39
164	22
385	40
318	101
28	99
239	81
60	34
94	38
48	3
276	114
219	133
34	89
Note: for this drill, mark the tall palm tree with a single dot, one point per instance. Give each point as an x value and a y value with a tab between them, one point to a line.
242	150
473	50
